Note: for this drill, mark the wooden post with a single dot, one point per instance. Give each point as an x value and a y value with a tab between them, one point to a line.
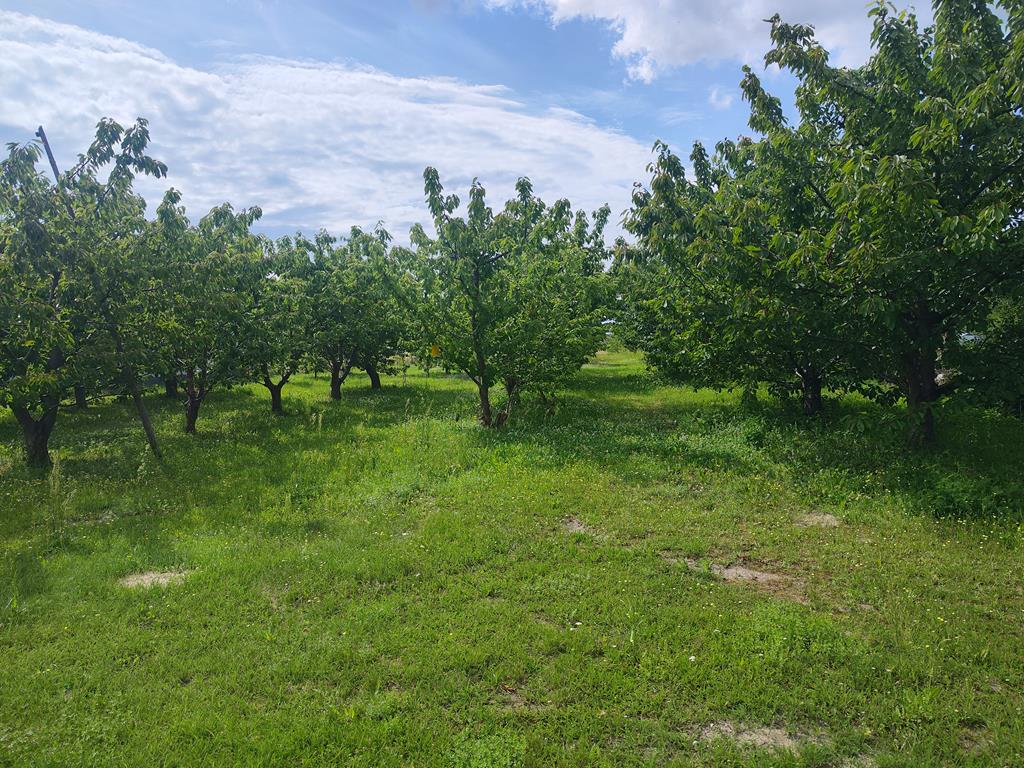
49	153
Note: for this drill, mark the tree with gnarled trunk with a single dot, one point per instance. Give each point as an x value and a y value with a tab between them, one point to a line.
513	298
72	286
205	272
929	177
277	317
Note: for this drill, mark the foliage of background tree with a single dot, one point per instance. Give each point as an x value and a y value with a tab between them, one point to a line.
512	297
277	317
204	272
561	290
735	284
358	315
990	365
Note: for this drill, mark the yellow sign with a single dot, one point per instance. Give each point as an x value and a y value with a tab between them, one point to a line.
435	351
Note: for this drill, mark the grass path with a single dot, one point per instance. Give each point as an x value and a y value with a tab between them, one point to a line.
377	581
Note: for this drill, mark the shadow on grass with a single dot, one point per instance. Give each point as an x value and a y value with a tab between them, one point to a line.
644	432
615	416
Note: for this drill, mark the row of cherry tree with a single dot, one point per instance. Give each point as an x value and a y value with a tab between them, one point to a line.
872	244
96	299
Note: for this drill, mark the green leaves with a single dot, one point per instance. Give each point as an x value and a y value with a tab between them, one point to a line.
74	288
899	193
514	297
360	293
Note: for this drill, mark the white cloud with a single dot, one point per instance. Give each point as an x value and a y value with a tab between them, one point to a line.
674	116
656	35
719	98
313	143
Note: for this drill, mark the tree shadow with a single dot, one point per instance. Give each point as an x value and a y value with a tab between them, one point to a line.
616	417
645	431
277	460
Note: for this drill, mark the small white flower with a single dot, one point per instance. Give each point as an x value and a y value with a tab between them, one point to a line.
693	658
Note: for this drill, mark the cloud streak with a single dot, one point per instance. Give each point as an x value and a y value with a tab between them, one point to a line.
720	98
314	143
658	35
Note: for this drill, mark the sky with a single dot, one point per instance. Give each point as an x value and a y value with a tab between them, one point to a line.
325	113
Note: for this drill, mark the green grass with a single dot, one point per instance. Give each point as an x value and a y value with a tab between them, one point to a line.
378	581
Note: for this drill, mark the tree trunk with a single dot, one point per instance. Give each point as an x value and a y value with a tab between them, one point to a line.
81	400
335	379
147	425
36	435
371	371
192	413
37	445
549	403
748	398
921	393
478	352
140	408
511	400
485	405
339	372
920	370
275	398
171	387
128	374
810	388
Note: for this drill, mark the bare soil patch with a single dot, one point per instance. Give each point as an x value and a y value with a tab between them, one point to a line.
148	579
738	573
763	737
512	697
861	761
777	584
973	738
819	520
573	524
542	618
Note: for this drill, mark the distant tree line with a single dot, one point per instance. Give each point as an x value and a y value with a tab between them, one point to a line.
872	245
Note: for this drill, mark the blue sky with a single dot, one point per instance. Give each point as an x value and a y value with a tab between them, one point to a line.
324	113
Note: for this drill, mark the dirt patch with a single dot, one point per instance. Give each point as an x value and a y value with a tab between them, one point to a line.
273	597
819	520
762	737
973	738
776	584
542	618
738	573
573	524
149	579
513	698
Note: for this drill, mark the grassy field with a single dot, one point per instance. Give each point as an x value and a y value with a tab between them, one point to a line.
378	581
